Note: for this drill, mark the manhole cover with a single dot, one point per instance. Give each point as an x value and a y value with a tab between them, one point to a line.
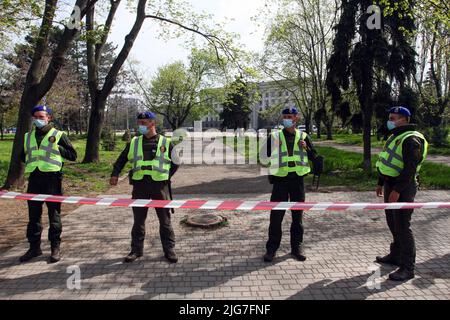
204	220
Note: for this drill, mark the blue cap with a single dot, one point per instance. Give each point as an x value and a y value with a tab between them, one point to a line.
41	108
146	115
290	110
400	110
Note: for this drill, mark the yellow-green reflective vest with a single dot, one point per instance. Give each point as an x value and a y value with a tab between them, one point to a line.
390	161
46	157
279	161
158	168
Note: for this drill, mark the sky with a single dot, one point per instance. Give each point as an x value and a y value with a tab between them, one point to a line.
152	52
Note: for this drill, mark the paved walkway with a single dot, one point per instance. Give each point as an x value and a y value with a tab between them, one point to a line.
375	150
226	263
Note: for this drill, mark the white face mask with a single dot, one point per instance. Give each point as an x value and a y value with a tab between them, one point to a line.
40	123
288	123
143	129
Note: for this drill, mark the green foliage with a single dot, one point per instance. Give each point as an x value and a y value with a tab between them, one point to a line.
237	106
182	92
16	17
430	12
439	136
126	136
297	46
108	139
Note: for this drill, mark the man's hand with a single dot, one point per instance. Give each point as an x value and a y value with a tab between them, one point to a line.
393	197
113	181
303	144
379	191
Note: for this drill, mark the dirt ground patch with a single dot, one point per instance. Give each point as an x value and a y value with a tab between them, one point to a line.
14	216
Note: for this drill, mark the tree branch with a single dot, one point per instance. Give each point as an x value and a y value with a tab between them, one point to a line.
58	57
111	78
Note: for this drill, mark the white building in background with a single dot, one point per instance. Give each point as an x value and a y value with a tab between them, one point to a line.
212	120
271	94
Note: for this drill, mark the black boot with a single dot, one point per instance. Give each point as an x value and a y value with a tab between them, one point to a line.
132	256
402	274
268	257
392	258
299	253
171	256
34	251
388	259
55	255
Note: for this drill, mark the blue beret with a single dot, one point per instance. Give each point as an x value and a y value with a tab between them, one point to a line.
146	115
290	110
400	110
41	108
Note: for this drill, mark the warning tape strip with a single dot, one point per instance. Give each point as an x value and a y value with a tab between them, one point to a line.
223	204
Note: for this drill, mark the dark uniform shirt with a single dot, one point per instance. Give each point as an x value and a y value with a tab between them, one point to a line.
150	147
290	139
66	149
412	151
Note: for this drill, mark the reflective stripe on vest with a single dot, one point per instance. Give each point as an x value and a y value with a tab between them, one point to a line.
158	168
280	158
51	160
390	161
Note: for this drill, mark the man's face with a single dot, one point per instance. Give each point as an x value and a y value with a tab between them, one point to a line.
398	119
42	115
293	117
146	122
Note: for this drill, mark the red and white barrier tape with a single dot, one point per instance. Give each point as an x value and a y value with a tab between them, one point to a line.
223	204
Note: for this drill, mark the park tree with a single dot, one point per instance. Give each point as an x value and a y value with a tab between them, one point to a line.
64	96
101	88
368	45
179	92
42	74
432	79
6	93
297	48
239	98
164	12
16	17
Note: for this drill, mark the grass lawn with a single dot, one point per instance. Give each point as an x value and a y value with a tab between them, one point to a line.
343	168
78	178
357	139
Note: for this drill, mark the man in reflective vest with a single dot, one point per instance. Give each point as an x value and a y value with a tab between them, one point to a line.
43	154
398	167
152	167
289	150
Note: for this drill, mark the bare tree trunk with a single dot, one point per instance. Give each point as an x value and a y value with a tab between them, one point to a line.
307	124
1	125
94	131
99	97
329	127
367	105
367	142
319	129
